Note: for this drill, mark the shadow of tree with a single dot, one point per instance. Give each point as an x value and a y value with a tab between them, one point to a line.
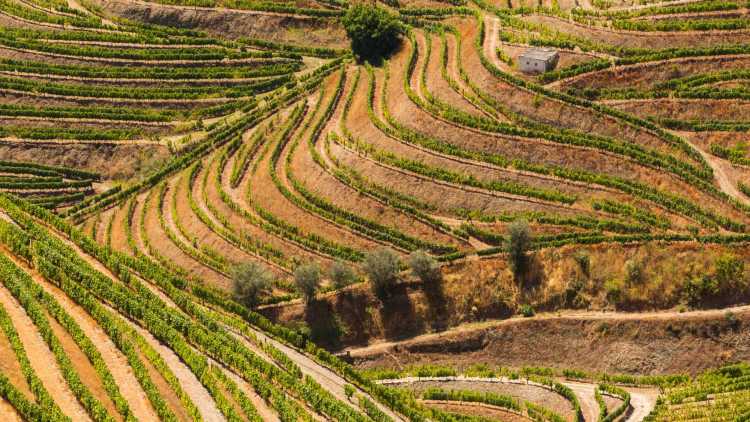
324	325
438	305
398	315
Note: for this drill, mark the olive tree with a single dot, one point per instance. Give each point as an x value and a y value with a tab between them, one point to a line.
307	280
382	267
341	274
519	243
250	281
425	267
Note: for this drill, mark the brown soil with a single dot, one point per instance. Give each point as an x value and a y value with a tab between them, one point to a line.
266	195
238	223
612	403
119	236
519	391
436	83
265	411
8	412
42	359
111	161
165	391
235	23
10	367
101	226
646	75
476	409
84	368
188	381
635	39
515	147
116	362
163	244
446	196
320	181
687	109
614	343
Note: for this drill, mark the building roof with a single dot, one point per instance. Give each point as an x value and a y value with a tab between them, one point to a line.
539	54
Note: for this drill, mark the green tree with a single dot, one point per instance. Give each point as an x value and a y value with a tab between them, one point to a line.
250	281
519	239
634	271
382	267
425	267
730	272
307	280
341	274
374	31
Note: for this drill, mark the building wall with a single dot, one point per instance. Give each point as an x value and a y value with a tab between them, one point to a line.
529	65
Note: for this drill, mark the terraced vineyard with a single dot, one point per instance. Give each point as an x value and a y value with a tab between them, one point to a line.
151	151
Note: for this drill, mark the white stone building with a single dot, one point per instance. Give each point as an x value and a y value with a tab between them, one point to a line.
538	60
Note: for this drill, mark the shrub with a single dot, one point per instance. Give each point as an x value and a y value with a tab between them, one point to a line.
731	319
613	291
527	311
425	267
307	280
349	390
373	30
698	289
519	243
341	274
382	267
584	262
250	281
730	272
634	271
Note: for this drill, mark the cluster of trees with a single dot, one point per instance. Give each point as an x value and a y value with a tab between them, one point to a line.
728	278
382	267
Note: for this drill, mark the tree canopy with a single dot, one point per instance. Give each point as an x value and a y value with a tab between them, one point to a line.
373	30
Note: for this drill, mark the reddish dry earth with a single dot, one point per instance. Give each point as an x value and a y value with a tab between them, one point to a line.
646	75
637	343
686	109
635	39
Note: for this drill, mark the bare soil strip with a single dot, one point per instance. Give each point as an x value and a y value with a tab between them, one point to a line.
42	359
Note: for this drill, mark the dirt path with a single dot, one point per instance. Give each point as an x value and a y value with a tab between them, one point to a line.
722	170
587	398
324	376
492	29
643	401
384	347
188	381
